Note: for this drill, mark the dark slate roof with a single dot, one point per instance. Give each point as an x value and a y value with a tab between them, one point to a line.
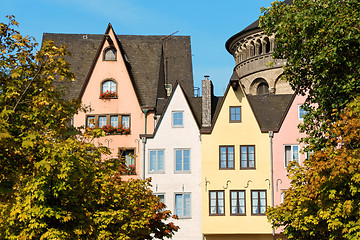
270	110
144	57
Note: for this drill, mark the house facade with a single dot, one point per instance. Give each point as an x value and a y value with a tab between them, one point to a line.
123	81
173	161
235	171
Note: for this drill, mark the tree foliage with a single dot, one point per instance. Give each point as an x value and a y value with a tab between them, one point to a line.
55	185
323	201
321	41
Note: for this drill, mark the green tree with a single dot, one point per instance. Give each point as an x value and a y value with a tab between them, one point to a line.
321	41
323	201
54	184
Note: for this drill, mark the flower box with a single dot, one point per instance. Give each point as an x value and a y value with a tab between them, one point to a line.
108	95
109	129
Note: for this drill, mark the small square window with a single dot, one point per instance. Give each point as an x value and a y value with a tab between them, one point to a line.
182	160
156	163
183	205
177	119
235	114
161	197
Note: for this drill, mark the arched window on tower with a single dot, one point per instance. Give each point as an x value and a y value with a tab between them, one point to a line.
252	49
260	46
262	89
110	54
267	45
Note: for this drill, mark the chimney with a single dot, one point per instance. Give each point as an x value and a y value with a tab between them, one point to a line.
207	93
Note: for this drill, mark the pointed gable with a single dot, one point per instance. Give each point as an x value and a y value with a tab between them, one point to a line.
143	56
184	103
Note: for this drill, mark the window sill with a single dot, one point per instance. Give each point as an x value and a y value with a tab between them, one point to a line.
182	172
183	218
162	172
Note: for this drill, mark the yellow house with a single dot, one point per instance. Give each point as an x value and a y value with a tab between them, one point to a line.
236	165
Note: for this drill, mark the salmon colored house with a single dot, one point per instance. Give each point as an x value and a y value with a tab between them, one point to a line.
124	80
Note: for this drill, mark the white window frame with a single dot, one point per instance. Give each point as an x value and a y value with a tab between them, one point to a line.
183	205
157	171
160	194
107	85
182	160
282	195
173	119
286	161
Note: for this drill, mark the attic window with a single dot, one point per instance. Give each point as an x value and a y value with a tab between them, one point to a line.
110	54
108	89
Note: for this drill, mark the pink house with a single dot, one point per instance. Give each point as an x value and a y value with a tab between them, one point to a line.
286	148
124	81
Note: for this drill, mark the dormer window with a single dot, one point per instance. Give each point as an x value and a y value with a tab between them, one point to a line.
108	89
110	54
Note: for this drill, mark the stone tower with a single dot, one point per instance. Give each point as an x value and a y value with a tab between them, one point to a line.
252	51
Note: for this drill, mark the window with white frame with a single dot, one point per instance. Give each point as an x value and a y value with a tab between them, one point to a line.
182	160
183	205
301	112
292	153
161	197
282	195
114	121
156	163
102	121
177	119
108	86
258	202
125	121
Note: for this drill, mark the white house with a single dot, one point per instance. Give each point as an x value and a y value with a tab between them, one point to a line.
173	160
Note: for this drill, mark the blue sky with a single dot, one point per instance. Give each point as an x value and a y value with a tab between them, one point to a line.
209	23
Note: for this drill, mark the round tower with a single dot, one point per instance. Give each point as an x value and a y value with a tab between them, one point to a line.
259	73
